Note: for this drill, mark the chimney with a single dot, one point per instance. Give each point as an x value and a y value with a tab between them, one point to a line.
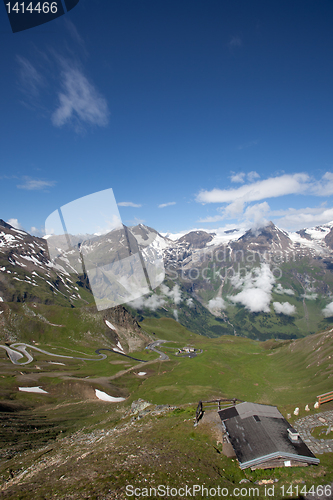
293	435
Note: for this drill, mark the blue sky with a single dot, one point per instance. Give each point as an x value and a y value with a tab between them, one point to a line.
197	113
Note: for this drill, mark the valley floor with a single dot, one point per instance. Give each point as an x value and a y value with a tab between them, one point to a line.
68	444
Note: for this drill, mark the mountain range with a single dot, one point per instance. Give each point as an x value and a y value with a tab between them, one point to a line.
260	283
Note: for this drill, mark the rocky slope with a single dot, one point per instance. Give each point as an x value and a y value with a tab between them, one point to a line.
259	283
27	274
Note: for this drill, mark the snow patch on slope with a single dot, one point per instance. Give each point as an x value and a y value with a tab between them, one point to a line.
105	397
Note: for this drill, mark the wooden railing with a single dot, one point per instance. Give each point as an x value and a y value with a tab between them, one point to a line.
324	398
218	403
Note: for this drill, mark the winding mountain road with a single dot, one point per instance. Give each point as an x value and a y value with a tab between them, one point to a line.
18	350
21	351
122	354
155	344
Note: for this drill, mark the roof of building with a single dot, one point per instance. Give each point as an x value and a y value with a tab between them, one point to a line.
259	433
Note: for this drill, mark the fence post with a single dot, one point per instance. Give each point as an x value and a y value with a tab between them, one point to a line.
324	398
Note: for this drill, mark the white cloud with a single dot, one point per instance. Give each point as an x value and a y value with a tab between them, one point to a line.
234	209
217	303
135	222
257	290
189	302
235	200
248	144
254	299
324	187
129	204
235	41
35	184
328	310
237	281
110	224
268	188
238	177
15	223
310	296
37	232
288	291
74	33
167	204
251	176
79	101
284	308
255	215
214	218
174	293
31	80
175	313
153	302
303	217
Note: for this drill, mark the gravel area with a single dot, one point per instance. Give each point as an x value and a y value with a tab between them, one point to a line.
305	425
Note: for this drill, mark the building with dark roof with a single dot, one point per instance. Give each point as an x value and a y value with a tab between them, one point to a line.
262	438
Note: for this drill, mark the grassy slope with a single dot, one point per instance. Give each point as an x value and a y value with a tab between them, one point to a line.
112	452
242	368
66	425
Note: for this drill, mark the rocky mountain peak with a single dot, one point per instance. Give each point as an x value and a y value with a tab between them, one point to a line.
269	237
144	232
5	224
197	239
329	239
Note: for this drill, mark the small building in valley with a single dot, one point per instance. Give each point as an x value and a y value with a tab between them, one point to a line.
186	349
262	438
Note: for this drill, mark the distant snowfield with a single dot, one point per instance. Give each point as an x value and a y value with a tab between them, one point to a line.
142	373
105	397
229	233
222	235
33	389
110	325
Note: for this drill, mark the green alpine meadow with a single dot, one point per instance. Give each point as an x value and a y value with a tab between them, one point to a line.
103	404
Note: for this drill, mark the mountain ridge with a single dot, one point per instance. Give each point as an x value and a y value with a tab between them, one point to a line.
209	282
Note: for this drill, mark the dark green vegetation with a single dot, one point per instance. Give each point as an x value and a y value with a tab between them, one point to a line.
307	281
68	444
196	317
320	432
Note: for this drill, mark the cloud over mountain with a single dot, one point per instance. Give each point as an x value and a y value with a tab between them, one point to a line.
284	308
257	289
155	301
328	310
217	303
